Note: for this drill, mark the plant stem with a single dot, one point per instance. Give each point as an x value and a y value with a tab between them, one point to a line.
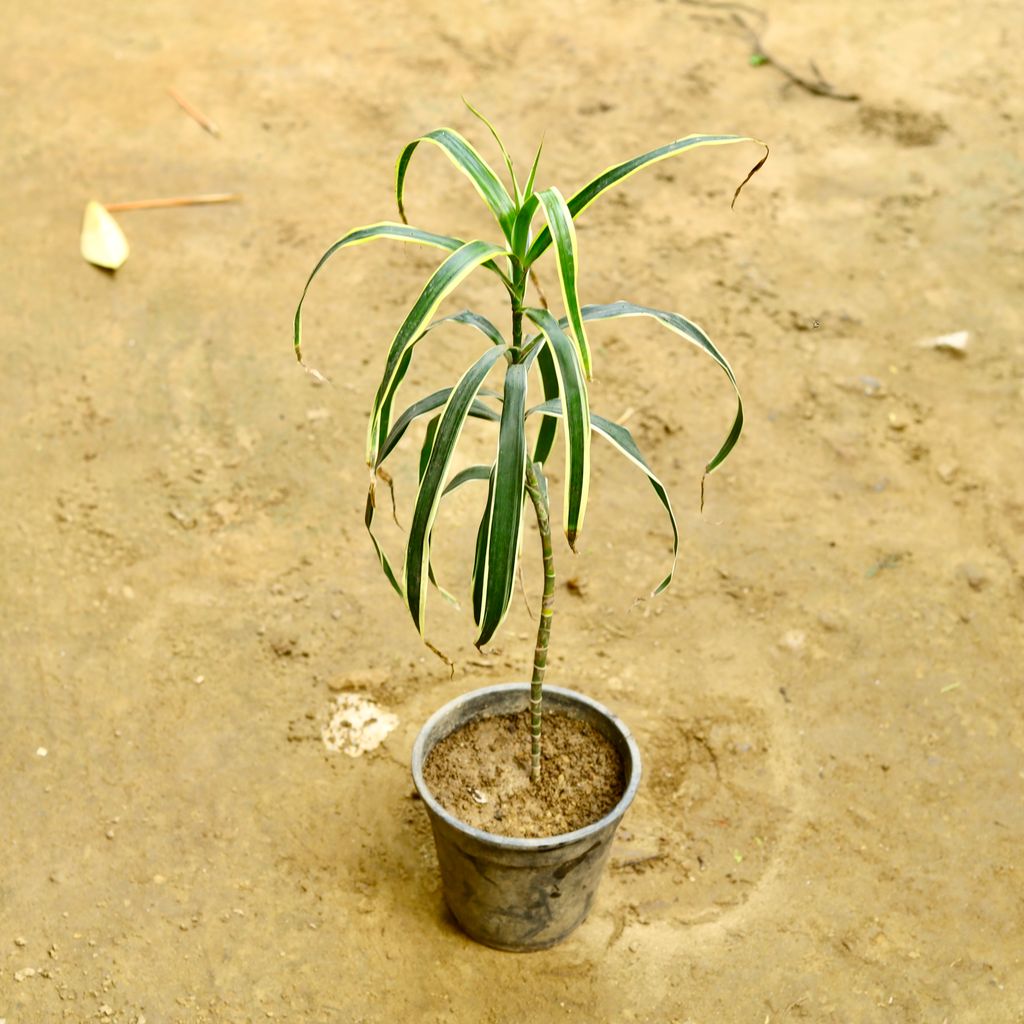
540	656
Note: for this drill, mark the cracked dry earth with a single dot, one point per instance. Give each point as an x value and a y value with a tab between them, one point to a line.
828	699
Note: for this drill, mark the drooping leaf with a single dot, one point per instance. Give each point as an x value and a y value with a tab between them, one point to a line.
613	175
421	408
472	164
622	440
690	332
459	265
576	423
449	429
504	527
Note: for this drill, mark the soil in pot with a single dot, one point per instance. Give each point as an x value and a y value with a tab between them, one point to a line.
481	775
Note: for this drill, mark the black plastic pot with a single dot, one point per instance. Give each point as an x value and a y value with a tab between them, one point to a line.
522	894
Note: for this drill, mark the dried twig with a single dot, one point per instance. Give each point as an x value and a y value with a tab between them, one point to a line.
197	115
159	204
817	86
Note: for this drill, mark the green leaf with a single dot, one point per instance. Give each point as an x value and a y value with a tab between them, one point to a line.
385	229
548	425
521	228
464	476
576	423
690	332
459	265
563	231
480	551
421	408
449	429
381	557
505	524
611	177
469	161
501	145
528	191
622	440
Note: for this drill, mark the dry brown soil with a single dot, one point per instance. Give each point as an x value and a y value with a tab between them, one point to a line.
828	699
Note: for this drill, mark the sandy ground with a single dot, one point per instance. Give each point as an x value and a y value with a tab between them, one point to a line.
828	699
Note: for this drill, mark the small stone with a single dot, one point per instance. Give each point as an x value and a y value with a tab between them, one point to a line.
19	941
109	833
898	421
634	947
977	578
25	972
41	751
947	471
830	621
159	879
106	1011
793	640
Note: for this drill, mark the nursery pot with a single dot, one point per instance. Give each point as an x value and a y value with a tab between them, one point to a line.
511	893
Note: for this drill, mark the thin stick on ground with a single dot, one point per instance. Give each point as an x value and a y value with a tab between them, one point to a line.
160	204
817	86
197	115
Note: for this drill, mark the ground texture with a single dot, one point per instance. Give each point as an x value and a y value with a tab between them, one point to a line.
828	699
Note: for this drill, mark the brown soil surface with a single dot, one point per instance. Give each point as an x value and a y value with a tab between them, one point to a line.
481	774
828	699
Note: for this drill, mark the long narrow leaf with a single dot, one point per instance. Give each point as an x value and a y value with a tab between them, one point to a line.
459	265
381	557
501	145
695	335
622	440
561	228
472	164
480	551
548	425
576	422
453	418
613	175
385	229
421	408
506	507
464	476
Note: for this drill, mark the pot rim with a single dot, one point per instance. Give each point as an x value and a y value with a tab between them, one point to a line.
419	755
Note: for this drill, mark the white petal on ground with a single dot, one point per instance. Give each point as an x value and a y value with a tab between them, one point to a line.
356	725
103	241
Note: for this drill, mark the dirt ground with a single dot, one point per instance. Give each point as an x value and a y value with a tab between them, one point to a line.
828	699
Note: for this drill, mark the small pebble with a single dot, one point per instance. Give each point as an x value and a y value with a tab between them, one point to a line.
976	577
947	471
41	751
19	941
793	640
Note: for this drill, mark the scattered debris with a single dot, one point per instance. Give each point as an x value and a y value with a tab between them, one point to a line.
198	116
357	725
887	562
817	86
955	343
103	243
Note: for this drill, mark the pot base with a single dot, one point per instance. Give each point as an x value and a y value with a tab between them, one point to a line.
512	893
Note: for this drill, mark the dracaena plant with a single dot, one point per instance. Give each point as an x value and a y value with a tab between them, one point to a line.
530	222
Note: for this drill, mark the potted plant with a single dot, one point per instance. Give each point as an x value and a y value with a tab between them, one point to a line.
521	836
